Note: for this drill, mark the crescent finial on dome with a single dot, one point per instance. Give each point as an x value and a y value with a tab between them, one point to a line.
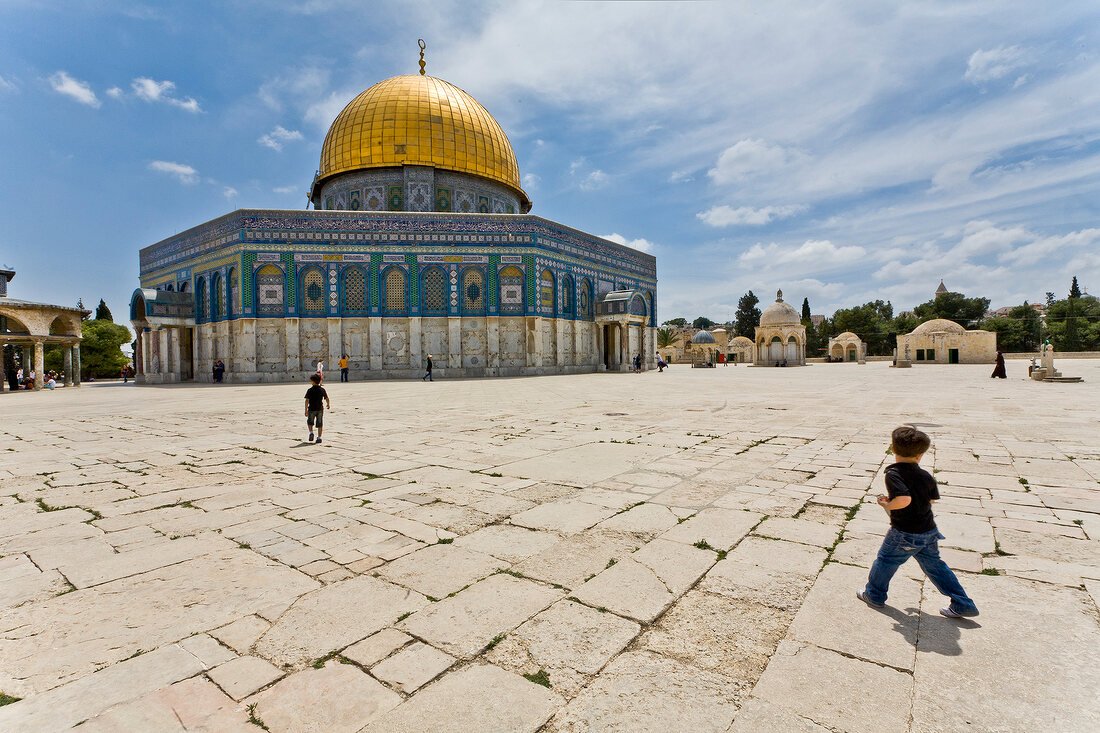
420	42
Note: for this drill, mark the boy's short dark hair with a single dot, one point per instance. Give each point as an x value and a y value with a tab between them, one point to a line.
315	378
909	442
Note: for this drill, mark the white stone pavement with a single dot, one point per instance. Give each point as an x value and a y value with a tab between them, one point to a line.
615	552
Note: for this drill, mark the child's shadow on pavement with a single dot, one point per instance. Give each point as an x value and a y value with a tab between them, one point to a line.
934	634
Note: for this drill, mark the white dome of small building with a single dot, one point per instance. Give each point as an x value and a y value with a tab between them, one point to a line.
780	314
703	337
939	325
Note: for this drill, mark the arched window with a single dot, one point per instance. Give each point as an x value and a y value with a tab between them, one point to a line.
637	306
546	293
231	290
510	282
168	287
185	287
355	290
200	300
567	295
311	293
433	288
584	300
394	283
217	300
473	291
270	291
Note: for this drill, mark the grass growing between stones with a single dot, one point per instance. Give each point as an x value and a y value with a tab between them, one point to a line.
539	678
6	699
496	640
990	571
404	616
446	541
253	719
47	508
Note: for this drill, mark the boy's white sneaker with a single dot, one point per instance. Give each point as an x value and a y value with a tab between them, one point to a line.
862	595
946	611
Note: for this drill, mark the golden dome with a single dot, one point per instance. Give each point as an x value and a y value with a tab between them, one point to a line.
419	120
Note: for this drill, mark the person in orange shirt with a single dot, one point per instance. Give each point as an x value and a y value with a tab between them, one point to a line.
343	367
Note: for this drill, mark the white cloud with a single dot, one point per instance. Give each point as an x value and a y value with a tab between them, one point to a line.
229	192
114	93
151	90
184	173
808	256
6	86
531	181
994	64
62	83
746	158
279	137
286	189
322	112
642	245
724	216
595	179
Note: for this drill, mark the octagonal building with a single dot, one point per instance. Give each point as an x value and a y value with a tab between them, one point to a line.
420	242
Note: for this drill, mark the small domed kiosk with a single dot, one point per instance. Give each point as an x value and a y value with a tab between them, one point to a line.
847	347
780	337
703	349
739	350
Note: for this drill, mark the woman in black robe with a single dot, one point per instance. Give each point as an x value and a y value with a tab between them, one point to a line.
999	370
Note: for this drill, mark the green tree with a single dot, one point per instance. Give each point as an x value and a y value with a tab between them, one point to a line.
967	312
1073	324
748	316
100	351
80	305
678	322
102	312
870	322
1074	289
702	322
665	337
1050	298
1018	331
805	310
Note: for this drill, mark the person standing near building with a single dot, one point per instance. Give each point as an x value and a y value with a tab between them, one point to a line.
343	367
321	370
999	369
428	366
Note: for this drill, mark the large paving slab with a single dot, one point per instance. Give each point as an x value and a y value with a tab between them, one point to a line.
130	525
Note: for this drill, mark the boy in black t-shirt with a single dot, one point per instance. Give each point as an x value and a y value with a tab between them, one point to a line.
911	491
315	411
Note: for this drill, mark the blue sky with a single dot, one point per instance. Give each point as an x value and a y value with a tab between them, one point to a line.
841	151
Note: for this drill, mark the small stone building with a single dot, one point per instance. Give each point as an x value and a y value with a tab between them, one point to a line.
941	341
847	347
704	348
739	350
780	337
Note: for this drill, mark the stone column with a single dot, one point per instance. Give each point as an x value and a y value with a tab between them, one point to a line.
162	342
335	342
559	346
146	353
293	348
454	343
599	346
374	337
416	345
76	365
174	355
67	354
39	364
139	354
624	345
492	344
650	357
532	339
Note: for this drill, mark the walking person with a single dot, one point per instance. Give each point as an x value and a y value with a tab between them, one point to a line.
343	367
428	366
999	369
321	370
315	411
913	533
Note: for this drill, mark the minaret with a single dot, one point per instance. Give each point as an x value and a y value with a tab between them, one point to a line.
940	290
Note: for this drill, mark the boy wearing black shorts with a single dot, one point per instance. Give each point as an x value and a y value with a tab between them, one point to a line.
315	411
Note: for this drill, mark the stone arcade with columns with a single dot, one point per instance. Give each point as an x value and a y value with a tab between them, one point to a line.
847	347
29	327
780	337
420	243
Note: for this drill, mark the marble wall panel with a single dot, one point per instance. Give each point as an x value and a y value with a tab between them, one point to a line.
313	342
549	342
433	339
513	344
395	343
474	348
357	342
270	349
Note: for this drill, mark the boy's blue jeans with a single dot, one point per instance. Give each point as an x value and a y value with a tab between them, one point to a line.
898	547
